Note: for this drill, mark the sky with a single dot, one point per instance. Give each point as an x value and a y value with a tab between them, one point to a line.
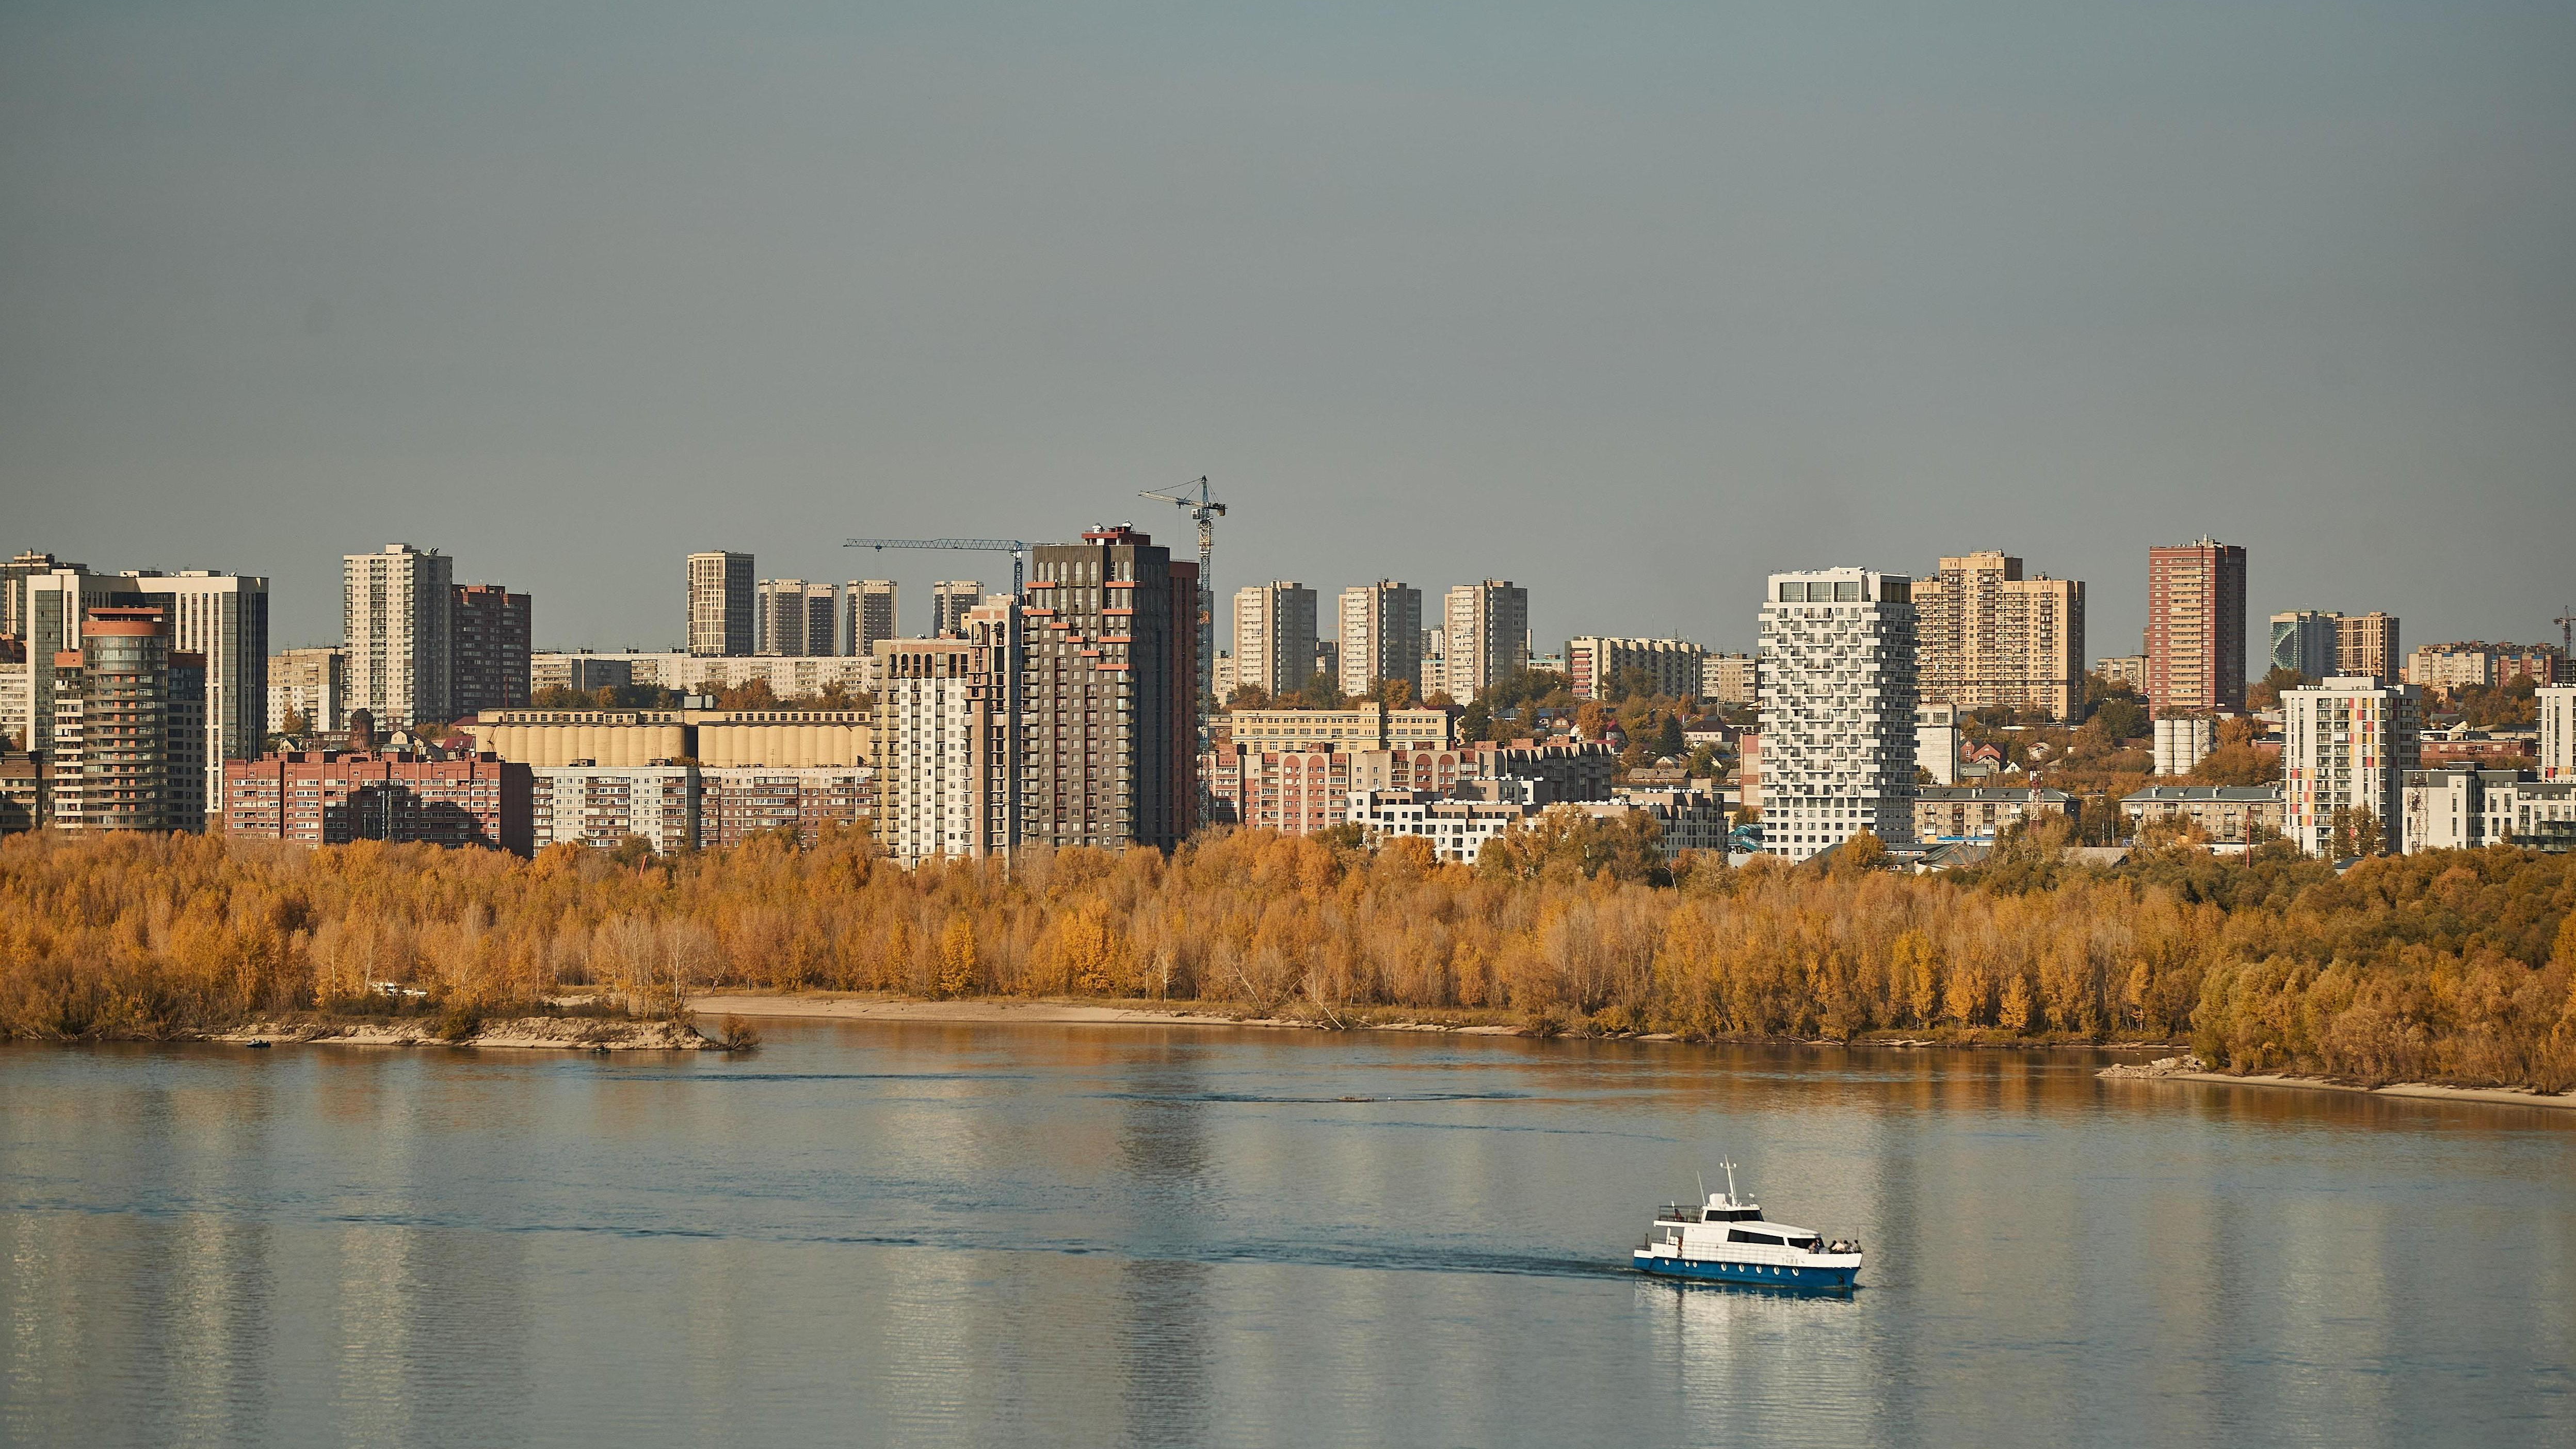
1629	303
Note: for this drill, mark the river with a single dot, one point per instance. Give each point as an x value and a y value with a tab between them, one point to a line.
917	1233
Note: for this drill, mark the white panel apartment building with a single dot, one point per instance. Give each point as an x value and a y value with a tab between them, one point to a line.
1485	629
1593	663
948	740
312	683
1274	636
1838	700
1381	635
2346	745
394	609
2557	704
601	805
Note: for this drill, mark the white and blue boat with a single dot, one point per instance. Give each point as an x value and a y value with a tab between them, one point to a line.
1727	1240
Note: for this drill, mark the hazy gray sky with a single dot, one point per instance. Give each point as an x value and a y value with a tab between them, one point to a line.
1630	303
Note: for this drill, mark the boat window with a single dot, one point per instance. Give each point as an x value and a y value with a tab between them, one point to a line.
1739	1235
1812	1245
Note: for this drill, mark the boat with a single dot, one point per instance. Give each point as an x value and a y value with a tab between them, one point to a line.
1727	1240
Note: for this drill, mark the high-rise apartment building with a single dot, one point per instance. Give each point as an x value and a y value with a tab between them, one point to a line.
724	614
1108	696
948	739
1995	639
2366	644
310	685
1381	635
867	614
949	601
796	618
1593	665
2346	745
223	619
396	612
488	633
1274	636
2196	641
13	574
129	735
1838	701
2304	640
1728	679
51	604
1487	636
2557	705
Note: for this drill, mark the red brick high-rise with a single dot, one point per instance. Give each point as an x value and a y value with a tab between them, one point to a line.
2196	637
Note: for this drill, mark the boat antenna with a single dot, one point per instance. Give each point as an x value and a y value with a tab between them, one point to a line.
1730	1181
1703	1189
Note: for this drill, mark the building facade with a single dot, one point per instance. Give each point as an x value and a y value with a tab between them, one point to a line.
1274	636
129	733
949	601
2475	663
602	806
1370	726
2346	747
395	612
796	619
2466	808
1485	636
1457	829
2196	641
1981	812
724	613
1838	701
489	630
1109	701
2226	814
1557	774
310	684
2128	669
320	797
1381	635
948	740
51	604
1730	680
581	670
1593	665
1936	742
223	619
789	677
2557	741
2304	640
867	614
1991	638
736	802
2182	742
2366	645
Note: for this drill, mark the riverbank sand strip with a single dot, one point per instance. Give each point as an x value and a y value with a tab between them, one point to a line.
2425	1091
556	1033
1041	1013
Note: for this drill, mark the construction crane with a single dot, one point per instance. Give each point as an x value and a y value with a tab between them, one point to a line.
1018	549
1203	510
2566	634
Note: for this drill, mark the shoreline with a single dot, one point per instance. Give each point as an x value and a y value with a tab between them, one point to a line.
537	1033
2169	1071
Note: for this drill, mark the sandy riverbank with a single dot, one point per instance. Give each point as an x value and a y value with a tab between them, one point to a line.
560	1033
829	1006
2172	1069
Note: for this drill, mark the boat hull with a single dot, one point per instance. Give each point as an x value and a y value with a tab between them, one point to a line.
1768	1275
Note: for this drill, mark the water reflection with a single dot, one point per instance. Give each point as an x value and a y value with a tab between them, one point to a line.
937	1234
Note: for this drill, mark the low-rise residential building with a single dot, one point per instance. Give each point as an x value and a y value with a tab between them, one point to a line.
602	805
739	801
1457	829
2346	747
1564	773
788	676
2461	807
2474	663
1594	663
1303	791
1980	812
579	670
26	780
1368	726
2226	814
2461	745
326	798
1688	819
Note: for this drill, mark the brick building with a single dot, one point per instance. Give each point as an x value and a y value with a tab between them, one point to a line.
324	798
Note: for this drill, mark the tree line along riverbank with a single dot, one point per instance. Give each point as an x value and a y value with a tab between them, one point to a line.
2446	967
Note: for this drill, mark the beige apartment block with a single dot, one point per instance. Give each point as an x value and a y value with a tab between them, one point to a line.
1992	638
1274	636
1593	665
1381	635
2366	644
395	612
949	744
1485	629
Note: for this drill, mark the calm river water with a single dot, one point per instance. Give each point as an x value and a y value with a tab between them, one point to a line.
919	1234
